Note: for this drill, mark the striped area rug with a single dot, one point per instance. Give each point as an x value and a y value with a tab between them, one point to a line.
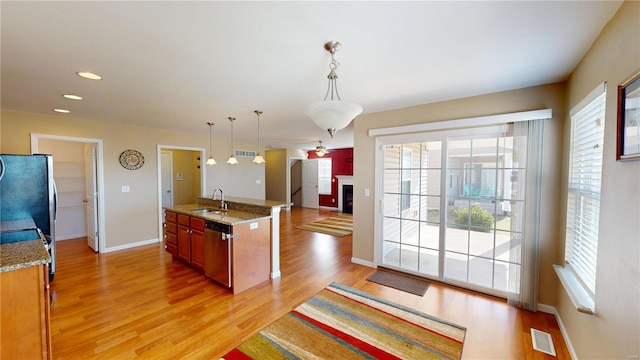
339	225
343	323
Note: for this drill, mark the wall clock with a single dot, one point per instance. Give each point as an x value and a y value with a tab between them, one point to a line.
131	159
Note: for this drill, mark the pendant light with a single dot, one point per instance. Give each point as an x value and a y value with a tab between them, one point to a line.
258	159
232	159
333	114
210	160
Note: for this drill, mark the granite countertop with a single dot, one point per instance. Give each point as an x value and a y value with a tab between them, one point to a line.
268	203
23	254
229	217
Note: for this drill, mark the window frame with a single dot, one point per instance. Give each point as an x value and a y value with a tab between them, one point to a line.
583	201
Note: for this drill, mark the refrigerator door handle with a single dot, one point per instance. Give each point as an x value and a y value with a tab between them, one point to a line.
1	168
55	200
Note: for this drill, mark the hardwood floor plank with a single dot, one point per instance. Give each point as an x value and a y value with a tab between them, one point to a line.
138	303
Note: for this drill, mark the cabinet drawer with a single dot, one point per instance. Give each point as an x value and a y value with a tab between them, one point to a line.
184	220
170	216
171	239
171	249
197	224
171	227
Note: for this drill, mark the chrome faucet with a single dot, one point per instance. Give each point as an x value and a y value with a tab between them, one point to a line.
213	197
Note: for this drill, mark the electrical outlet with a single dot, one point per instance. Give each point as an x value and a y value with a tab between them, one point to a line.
125	188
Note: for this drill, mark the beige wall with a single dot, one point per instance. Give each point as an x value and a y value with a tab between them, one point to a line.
540	97
276	174
614	332
133	217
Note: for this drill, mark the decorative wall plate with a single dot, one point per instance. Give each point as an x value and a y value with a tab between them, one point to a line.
131	159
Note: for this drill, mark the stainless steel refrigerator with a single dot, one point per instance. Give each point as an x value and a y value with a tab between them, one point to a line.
28	197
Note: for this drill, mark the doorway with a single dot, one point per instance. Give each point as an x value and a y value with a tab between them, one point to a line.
180	176
78	169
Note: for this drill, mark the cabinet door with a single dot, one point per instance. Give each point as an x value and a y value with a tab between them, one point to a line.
197	249
184	243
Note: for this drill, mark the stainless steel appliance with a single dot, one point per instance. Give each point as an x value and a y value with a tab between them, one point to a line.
28	199
217	252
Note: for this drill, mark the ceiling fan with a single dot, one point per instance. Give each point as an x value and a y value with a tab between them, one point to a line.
321	150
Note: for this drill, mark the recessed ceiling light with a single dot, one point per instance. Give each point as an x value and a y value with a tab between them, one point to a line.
90	76
72	97
64	111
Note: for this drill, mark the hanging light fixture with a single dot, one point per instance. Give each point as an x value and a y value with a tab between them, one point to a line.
210	160
232	159
321	150
258	159
332	113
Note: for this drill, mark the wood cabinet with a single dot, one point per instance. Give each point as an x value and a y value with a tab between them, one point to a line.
197	243
171	232
184	238
24	320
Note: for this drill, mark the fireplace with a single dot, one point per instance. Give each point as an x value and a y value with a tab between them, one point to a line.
347	199
343	182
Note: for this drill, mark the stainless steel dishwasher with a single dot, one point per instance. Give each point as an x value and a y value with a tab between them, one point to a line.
217	252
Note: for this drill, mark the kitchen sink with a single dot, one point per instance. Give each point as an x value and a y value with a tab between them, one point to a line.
207	211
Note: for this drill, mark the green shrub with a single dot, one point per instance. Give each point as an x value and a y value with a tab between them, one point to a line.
479	217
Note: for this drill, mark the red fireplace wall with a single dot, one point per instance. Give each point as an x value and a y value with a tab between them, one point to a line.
341	164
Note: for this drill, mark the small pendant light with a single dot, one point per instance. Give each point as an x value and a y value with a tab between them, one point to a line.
232	159
258	159
211	160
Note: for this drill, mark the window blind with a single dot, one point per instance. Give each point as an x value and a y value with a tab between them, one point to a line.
585	177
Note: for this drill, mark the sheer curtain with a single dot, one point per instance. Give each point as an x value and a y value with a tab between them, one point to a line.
525	243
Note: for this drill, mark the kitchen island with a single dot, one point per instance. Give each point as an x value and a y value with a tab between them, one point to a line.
196	234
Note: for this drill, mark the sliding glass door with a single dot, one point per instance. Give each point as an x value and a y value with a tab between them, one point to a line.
452	207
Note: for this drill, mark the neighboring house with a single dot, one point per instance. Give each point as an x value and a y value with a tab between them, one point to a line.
614	331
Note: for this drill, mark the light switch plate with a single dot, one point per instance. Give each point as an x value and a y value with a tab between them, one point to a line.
125	188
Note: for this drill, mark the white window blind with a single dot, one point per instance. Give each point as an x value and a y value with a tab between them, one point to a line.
324	176
585	175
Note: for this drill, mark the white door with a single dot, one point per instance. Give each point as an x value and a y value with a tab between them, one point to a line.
310	184
91	195
166	178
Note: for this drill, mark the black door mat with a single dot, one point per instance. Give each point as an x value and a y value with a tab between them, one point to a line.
407	283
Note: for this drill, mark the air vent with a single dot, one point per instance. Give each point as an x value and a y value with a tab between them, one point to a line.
244	153
542	342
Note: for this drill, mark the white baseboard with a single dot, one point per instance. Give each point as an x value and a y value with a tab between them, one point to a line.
328	208
132	245
363	262
69	237
553	311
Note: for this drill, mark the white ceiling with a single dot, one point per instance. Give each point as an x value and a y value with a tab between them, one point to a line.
178	65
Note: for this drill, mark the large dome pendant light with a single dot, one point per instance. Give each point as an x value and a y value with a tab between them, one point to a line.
232	159
333	114
210	160
258	159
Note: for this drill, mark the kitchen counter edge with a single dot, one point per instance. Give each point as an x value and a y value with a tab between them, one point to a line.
229	217
23	254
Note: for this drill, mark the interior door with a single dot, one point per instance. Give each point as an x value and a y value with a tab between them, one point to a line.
310	184
91	195
166	178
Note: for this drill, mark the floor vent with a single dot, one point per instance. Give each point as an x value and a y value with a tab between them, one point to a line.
542	342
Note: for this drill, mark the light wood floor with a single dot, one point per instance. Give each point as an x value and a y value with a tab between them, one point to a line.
138	303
